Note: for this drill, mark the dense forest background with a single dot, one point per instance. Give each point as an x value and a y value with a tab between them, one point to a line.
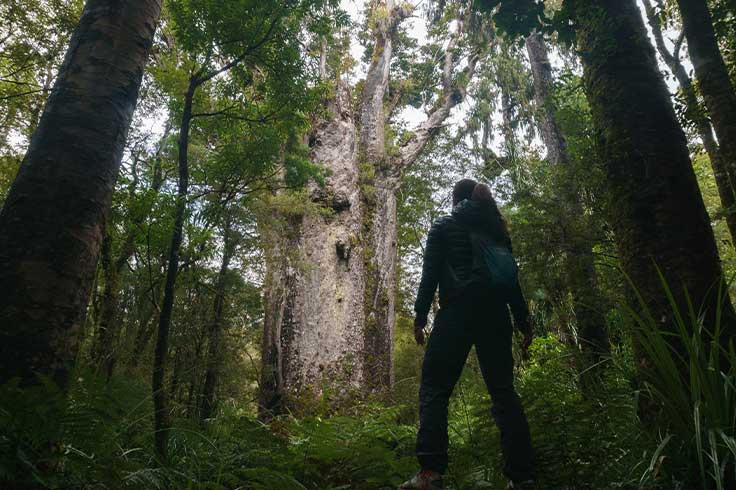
213	222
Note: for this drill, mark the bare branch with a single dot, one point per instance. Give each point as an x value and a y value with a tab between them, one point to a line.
678	45
22	94
656	24
453	93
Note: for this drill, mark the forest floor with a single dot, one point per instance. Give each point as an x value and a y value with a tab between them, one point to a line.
580	443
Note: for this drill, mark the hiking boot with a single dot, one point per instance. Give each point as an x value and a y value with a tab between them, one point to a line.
522	485
424	480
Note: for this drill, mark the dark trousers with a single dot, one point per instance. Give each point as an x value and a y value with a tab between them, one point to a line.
479	321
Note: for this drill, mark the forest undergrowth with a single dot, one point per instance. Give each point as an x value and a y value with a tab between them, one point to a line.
580	442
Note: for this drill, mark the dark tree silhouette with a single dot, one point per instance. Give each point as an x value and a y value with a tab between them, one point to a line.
53	221
655	207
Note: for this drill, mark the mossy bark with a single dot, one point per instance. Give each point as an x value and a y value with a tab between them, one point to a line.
380	290
313	342
723	173
714	83
655	206
379	222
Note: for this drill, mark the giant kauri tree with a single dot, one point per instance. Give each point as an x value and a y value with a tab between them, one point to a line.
330	307
52	223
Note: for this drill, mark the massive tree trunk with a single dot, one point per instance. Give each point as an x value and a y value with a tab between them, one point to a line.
331	317
214	343
52	224
723	174
314	300
656	208
713	80
380	184
160	399
579	260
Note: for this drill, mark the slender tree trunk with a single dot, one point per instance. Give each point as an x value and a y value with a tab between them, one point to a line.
579	263
723	180
713	81
145	331
52	223
175	375
655	207
214	348
160	402
108	330
102	345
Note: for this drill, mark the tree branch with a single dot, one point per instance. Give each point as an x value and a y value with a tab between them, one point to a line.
248	51
22	94
678	45
656	24
393	103
453	93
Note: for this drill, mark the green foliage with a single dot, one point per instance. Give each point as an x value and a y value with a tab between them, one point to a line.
34	35
516	18
692	377
299	167
106	443
249	165
80	436
708	189
365	452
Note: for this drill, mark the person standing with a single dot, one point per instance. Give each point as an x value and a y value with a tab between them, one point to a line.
474	310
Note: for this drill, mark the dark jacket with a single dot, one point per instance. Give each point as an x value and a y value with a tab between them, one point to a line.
448	258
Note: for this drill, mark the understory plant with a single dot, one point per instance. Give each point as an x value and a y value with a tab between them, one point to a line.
691	378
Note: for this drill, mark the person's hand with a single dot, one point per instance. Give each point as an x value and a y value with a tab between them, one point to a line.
525	344
419	324
525	327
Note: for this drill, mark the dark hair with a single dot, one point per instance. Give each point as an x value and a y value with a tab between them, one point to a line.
463	190
482	192
497	224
